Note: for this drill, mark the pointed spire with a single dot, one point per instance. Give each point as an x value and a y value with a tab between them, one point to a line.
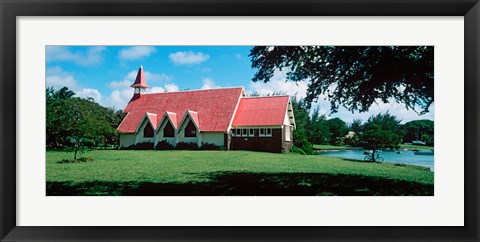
140	80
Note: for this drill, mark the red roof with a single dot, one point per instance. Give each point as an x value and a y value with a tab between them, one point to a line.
153	119
140	80
173	118
214	108
261	111
194	116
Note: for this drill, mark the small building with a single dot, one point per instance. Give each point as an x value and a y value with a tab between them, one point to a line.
223	117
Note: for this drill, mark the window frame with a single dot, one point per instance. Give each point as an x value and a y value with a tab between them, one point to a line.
265	132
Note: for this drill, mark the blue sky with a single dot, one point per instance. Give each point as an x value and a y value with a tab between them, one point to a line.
106	72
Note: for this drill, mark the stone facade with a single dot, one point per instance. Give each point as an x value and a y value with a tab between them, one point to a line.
287	145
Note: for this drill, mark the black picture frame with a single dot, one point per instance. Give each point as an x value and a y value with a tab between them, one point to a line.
10	9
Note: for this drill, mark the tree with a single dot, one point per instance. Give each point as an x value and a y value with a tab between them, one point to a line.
338	129
77	122
317	128
353	76
419	130
381	131
300	138
356	126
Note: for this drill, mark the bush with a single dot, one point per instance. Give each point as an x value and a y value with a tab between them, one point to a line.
140	146
300	142
209	146
297	150
186	146
164	145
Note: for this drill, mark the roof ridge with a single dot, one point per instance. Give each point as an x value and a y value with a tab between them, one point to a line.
267	96
196	90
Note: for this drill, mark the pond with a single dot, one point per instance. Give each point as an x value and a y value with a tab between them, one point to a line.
406	156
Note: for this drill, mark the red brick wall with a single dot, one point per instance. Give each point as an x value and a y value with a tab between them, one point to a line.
269	144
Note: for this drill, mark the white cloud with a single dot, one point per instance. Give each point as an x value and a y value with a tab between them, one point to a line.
149	76
156	90
92	55
119	98
130	78
120	84
90	92
135	52
58	78
171	87
122	92
188	57
397	109
277	84
238	56
208	84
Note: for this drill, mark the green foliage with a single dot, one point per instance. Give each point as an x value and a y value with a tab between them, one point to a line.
353	141
338	129
381	131
356	126
317	128
422	130
164	145
296	150
353	76
301	142
75	123
209	146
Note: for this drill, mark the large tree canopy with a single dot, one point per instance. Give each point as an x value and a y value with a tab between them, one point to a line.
353	76
76	122
419	130
381	131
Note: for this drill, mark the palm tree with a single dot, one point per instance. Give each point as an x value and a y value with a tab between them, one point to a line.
64	93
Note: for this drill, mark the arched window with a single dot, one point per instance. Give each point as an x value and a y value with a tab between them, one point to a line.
148	131
168	130
190	130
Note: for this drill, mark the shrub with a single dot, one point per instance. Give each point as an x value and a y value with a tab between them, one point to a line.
297	150
164	145
300	141
186	146
209	146
140	146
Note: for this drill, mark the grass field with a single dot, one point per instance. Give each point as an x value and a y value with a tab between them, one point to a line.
416	147
330	147
115	172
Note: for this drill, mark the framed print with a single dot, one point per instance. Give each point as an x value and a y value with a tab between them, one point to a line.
166	120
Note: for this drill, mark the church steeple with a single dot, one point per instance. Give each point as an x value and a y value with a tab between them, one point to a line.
139	85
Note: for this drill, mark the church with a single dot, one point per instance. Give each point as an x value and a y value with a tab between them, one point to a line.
224	117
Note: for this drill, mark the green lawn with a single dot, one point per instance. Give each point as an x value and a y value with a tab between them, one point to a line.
416	147
115	172
330	147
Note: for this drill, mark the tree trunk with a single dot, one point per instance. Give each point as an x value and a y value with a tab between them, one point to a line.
373	154
75	155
